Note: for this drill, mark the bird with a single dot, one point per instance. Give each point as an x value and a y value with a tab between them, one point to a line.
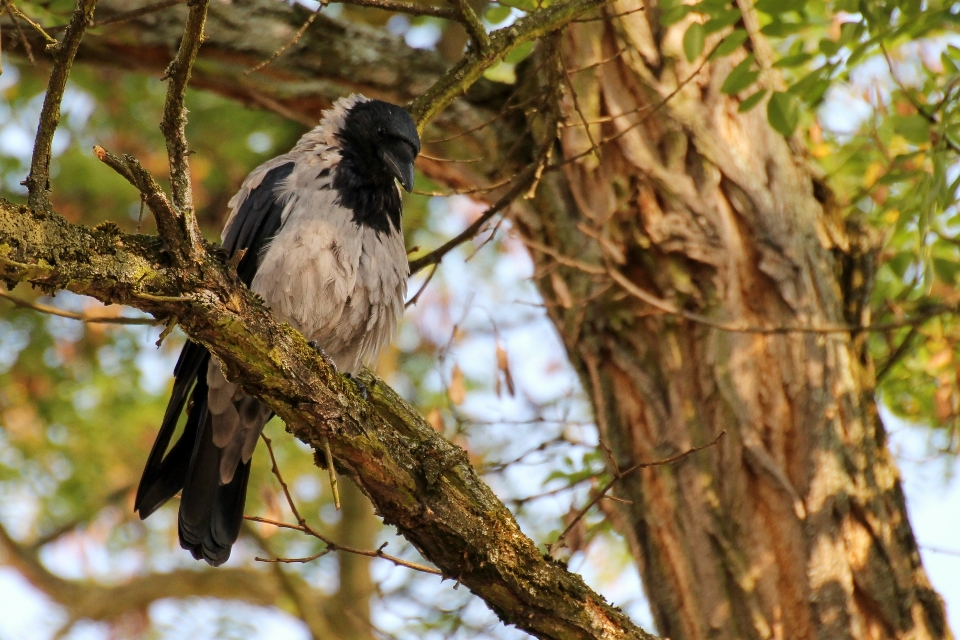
322	242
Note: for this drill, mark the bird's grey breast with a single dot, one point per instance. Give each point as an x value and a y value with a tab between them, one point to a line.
339	283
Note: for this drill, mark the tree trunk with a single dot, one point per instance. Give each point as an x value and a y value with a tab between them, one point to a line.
795	525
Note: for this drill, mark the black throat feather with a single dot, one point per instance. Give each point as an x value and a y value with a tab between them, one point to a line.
372	196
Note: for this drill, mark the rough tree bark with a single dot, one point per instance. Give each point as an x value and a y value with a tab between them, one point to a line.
795	526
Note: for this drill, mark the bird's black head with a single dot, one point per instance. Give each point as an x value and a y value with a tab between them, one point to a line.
379	143
382	139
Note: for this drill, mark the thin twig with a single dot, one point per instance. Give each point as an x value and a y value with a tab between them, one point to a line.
333	546
468	18
23	36
82	317
126	15
669	308
275	469
50	40
168	223
897	355
521	184
502	41
561	541
405	7
332	473
576	107
294	40
412	301
930	117
38	181
174	123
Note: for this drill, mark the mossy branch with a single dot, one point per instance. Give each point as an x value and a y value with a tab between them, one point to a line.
417	481
174	123
501	42
38	181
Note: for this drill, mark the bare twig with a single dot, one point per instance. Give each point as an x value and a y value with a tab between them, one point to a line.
283	485
294	40
897	355
502	41
333	546
303	527
405	7
523	183
23	36
412	301
930	117
576	106
669	308
174	122
618	475
468	18
38	181
332	473
82	317
50	40
168	223
127	15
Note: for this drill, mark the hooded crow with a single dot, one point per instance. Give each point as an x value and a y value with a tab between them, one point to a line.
323	244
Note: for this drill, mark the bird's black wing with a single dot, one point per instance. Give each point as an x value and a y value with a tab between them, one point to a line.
220	508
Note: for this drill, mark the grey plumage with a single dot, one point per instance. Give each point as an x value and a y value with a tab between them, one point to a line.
325	250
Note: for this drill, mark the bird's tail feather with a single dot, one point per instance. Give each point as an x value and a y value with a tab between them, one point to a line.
211	513
163	475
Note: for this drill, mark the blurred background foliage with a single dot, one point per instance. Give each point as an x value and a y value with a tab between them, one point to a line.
869	90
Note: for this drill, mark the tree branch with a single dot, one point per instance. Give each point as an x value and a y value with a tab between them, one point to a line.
416	480
86	599
175	121
502	41
38	181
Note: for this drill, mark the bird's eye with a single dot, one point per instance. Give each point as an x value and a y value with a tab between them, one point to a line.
381	131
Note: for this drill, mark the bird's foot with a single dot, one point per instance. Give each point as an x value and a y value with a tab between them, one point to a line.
362	388
313	344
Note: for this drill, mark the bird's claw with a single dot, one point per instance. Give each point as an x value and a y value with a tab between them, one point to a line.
361	388
313	344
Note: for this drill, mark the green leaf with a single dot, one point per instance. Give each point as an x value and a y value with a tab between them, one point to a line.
829	47
899	263
953	52
712	8
497	14
782	112
740	78
729	44
915	128
792	61
776	7
693	41
777	29
946	270
675	14
519	53
722	21
752	101
810	88
849	31
948	65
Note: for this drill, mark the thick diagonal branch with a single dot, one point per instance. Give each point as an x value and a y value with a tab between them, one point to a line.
416	480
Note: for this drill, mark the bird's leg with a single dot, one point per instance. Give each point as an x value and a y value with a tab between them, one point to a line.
313	344
362	388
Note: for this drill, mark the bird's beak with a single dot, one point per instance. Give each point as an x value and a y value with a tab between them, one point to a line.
401	170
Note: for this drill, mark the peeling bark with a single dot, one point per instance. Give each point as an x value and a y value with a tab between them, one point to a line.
795	526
